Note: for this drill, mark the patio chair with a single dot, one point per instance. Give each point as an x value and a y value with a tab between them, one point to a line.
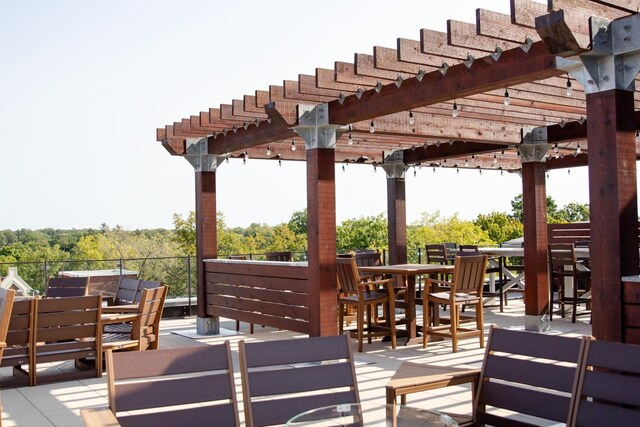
145	328
62	287
465	288
563	264
6	306
363	295
126	294
67	329
191	386
19	341
494	267
280	256
607	392
281	379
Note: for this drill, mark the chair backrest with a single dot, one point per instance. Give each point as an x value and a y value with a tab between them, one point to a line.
464	250
19	333
281	379
146	328
62	287
279	256
64	319
608	386
436	254
127	291
201	377
562	257
468	274
451	248
145	284
348	276
368	259
529	373
6	305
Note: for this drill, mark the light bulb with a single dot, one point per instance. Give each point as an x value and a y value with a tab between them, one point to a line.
547	175
569	88
244	160
350	139
507	100
279	162
466	162
372	127
293	145
501	172
415	172
569	171
434	169
343	169
578	150
495	158
457	170
555	148
454	111
227	159
375	169
268	150
412	120
480	170
637	136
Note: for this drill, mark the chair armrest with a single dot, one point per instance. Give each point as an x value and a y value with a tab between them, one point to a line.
99	417
416	377
439	282
375	282
131	308
108	300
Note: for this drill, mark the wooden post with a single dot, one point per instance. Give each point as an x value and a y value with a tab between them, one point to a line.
397	221
613	206
320	141
206	240
321	236
534	197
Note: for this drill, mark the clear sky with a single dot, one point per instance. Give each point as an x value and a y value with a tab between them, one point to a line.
85	84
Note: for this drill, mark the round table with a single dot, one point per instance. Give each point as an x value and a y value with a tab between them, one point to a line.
366	414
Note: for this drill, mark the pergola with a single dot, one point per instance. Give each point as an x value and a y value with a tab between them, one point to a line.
539	89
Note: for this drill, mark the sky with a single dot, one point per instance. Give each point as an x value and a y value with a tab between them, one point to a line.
84	85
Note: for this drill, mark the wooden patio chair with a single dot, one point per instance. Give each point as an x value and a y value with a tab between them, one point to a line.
281	379
6	307
494	266
563	264
62	287
523	373
364	296
145	328
280	256
19	342
126	294
465	288
67	329
607	393
190	386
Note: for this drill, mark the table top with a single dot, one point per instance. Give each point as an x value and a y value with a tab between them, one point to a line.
407	269
371	415
110	318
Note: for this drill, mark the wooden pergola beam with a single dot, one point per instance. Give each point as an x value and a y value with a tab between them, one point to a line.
514	66
443	151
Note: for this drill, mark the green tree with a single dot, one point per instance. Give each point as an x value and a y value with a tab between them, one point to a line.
363	233
284	239
517	207
499	226
298	222
574	212
184	230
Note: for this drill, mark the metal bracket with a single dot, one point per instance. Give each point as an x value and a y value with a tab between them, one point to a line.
198	155
534	145
393	164
614	59
314	128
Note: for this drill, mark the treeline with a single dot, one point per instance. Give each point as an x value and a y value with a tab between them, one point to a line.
70	249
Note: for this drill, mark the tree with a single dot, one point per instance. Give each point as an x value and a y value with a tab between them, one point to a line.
363	233
184	230
574	212
570	213
499	226
298	222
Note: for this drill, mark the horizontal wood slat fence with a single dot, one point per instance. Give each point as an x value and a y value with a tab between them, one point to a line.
270	295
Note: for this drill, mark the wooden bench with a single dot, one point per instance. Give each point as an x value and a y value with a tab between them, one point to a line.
19	339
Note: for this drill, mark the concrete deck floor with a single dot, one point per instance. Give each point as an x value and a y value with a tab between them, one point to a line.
59	404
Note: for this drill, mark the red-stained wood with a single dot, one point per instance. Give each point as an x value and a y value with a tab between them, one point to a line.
321	236
397	221
534	197
524	12
206	229
514	67
613	204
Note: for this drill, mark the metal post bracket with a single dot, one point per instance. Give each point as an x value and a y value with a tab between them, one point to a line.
313	126
197	154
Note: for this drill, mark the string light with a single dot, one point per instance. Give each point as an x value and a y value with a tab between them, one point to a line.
454	111
578	150
343	168
480	170
457	170
268	150
569	88
555	148
569	171
637	136
501	172
466	162
434	169
293	145
507	100
547	175
372	127
412	120
245	157
375	169
227	158
495	158
279	162
415	172
350	140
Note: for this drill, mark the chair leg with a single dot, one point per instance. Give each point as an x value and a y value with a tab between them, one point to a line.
369	310
426	316
360	322
341	309
391	315
455	316
480	322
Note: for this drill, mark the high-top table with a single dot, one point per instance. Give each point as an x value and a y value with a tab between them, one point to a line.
408	272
